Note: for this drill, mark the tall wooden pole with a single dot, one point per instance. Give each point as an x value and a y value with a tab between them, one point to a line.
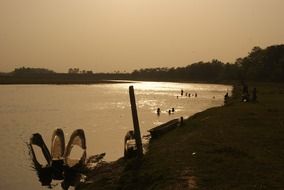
135	122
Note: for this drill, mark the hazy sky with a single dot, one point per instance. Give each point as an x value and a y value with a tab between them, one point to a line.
109	35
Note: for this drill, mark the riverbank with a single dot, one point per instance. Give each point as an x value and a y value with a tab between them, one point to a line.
237	146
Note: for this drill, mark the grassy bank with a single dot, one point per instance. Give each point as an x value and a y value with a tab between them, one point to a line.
237	146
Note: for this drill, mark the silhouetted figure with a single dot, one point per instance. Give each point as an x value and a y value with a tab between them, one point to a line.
173	110
177	97
245	87
226	97
245	95
254	97
195	95
181	92
158	111
186	94
181	120
169	112
189	94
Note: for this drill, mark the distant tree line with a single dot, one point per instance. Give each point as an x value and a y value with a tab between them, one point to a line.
78	71
26	71
260	65
202	71
263	64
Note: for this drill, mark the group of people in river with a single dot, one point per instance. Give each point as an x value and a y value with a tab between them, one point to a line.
245	97
172	110
187	94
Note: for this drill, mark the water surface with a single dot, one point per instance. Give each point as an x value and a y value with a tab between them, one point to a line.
102	110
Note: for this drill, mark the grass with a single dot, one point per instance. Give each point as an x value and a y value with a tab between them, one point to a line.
237	146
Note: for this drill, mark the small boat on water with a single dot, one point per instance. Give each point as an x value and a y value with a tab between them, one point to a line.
57	145
165	127
37	140
58	164
77	139
130	148
57	153
43	167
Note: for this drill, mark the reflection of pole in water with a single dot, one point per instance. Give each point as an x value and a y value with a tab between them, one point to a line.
181	92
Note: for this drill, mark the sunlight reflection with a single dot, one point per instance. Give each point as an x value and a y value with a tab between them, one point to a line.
102	110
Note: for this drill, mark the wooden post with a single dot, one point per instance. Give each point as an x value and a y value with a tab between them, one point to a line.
135	123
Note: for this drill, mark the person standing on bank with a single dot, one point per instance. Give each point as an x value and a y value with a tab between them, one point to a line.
254	97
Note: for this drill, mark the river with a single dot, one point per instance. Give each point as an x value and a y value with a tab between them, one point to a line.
101	110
